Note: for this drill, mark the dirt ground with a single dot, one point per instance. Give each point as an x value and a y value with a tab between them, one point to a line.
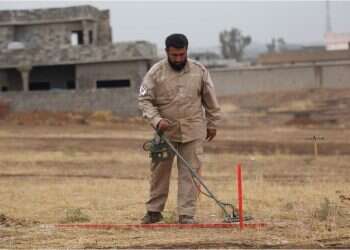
83	168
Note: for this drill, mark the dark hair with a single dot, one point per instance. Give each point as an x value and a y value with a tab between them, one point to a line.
178	41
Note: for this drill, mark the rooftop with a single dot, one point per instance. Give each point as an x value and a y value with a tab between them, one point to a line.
50	15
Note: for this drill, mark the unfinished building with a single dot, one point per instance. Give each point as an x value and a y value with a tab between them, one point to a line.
63	59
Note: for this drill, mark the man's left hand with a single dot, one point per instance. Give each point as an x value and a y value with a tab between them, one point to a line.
211	133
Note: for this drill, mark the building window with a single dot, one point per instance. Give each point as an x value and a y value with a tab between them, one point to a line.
113	83
39	86
70	84
77	37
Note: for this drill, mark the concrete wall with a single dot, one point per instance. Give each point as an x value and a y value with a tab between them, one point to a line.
336	76
88	74
86	98
280	78
121	102
303	57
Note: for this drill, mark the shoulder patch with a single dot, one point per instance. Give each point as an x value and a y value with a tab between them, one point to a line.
143	90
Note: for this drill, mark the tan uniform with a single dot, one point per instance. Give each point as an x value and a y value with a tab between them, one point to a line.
187	99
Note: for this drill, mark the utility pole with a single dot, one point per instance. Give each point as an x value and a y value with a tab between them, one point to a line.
328	17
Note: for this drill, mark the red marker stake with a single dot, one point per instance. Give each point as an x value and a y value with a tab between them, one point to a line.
240	195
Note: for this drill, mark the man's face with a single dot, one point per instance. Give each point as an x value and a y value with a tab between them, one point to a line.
177	58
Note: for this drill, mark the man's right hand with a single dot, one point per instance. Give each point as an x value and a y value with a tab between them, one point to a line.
163	125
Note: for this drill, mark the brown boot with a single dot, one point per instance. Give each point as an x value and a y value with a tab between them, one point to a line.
152	217
187	219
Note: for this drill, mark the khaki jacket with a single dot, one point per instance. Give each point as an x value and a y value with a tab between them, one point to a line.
186	98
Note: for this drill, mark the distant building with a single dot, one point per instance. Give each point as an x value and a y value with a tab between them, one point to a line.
209	59
63	59
337	48
337	41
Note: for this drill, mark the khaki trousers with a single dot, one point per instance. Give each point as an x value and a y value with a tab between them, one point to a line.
187	190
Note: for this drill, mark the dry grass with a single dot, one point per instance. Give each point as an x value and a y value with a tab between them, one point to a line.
296	105
53	180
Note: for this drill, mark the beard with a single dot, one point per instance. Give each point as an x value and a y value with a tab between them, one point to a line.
177	66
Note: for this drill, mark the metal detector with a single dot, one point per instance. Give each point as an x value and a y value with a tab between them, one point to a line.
228	217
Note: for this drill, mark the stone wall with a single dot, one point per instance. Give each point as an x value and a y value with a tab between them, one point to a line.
50	15
104	30
80	54
52	28
6	34
49	35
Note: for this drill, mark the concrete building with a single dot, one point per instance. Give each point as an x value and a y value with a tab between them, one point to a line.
63	59
337	41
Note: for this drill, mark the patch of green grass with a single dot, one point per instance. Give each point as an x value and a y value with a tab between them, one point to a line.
169	217
74	215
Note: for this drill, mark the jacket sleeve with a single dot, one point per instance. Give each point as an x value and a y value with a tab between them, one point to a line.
146	100
210	102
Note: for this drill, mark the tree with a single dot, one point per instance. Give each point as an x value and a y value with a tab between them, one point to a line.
282	45
277	45
271	47
233	43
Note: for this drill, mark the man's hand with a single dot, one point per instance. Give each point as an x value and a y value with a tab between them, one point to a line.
163	125
211	133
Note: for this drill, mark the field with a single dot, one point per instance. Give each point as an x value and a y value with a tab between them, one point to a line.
78	168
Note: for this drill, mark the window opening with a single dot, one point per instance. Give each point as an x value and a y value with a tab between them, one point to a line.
113	83
77	37
38	86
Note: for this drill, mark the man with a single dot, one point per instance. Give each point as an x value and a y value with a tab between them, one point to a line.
177	97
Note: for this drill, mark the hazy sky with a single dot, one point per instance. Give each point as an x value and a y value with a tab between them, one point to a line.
295	21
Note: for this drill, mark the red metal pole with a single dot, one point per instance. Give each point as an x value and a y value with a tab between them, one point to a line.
240	195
